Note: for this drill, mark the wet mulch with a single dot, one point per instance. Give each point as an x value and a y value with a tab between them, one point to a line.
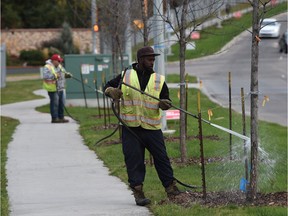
197	160
110	142
175	139
223	198
103	127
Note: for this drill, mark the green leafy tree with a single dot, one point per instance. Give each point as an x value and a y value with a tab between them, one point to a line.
45	14
66	39
78	13
9	17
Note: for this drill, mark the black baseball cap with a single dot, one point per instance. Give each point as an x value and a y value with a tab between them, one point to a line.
146	51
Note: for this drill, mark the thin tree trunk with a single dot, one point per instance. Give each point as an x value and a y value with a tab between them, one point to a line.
252	192
182	43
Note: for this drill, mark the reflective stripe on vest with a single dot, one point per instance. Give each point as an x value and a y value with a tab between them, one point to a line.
50	84
62	68
143	119
49	81
146	104
138	109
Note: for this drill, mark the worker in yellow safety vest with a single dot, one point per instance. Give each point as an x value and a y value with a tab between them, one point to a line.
54	75
142	116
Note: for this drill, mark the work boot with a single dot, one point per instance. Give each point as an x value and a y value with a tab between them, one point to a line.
140	198
56	120
63	120
172	190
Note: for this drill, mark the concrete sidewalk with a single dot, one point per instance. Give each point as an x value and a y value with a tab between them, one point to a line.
51	172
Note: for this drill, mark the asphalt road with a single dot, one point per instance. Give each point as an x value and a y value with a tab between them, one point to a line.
23	70
236	58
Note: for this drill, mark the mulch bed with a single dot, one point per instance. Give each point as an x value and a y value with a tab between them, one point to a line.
196	160
177	139
103	127
223	198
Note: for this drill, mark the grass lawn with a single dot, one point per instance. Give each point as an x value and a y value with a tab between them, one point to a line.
8	126
20	91
175	78
221	175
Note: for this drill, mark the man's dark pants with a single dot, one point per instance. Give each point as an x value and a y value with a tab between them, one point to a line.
56	104
134	153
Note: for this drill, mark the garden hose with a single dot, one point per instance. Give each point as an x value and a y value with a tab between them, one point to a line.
125	125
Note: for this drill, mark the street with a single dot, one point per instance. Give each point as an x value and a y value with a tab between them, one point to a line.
236	58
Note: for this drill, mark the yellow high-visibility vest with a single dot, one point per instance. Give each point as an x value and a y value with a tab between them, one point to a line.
62	68
139	109
50	84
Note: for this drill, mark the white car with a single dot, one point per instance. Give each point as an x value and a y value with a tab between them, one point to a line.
270	28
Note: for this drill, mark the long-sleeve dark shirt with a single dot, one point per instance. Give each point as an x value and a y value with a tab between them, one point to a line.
143	77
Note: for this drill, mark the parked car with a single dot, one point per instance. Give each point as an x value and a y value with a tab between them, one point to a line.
283	42
270	28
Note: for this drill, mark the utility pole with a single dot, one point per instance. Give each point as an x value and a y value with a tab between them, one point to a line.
159	45
128	35
3	66
128	43
219	25
168	29
93	23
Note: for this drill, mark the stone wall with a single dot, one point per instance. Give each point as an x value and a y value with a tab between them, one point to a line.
25	39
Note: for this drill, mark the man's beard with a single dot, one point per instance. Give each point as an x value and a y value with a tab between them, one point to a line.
149	69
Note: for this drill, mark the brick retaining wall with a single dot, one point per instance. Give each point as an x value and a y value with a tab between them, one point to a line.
24	39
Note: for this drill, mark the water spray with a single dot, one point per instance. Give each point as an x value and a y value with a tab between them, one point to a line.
193	115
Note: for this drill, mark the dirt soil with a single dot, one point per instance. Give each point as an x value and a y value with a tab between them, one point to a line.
223	198
103	127
177	139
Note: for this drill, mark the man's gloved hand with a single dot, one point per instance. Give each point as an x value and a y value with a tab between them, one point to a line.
68	75
165	104
114	93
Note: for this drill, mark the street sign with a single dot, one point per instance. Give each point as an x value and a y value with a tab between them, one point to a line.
237	14
172	114
195	35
